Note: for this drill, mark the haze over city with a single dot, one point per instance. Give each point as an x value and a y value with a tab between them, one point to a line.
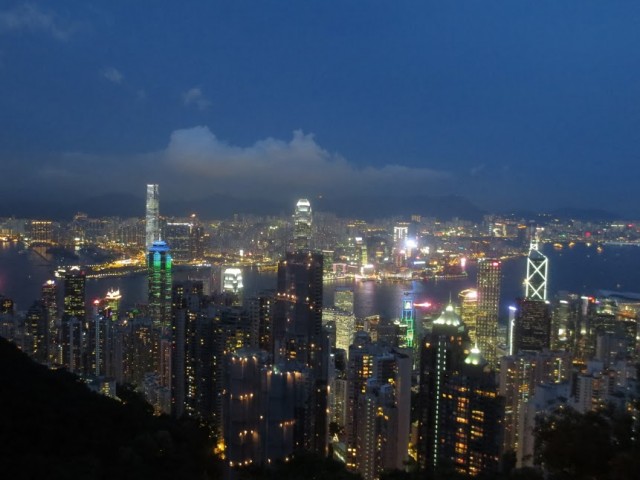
509	104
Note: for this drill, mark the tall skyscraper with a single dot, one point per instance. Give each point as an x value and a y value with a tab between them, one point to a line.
50	300
532	330
460	412
302	225
489	279
160	276
36	332
537	274
468	300
298	334
153	214
73	319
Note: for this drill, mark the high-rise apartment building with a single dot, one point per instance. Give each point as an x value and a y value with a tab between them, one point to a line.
298	334
460	412
50	301
153	214
488	286
73	320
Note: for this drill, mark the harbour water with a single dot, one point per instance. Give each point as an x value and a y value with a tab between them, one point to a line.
581	269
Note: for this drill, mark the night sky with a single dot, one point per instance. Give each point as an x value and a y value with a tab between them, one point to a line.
512	104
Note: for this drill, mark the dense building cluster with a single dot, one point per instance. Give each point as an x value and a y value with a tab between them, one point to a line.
279	372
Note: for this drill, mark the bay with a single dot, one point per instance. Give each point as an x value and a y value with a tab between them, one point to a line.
581	269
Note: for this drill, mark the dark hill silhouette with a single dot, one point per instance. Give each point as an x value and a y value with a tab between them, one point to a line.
52	426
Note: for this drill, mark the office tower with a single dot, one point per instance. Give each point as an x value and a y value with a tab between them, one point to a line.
302	219
407	323
459	409
343	299
468	300
520	375
196	239
489	279
537	274
345	325
153	214
41	231
36	332
532	330
159	263
298	334
73	319
178	237
232	280
50	300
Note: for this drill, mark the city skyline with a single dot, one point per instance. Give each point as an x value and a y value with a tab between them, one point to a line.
471	100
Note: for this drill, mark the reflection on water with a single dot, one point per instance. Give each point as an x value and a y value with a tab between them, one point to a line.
580	269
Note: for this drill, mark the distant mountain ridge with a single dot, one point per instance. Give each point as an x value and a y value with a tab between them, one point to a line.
217	206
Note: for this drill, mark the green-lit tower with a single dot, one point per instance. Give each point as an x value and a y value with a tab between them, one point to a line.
159	270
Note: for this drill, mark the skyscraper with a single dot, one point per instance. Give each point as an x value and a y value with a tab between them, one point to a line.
537	272
159	275
489	279
468	300
532	330
73	320
153	214
460	412
302	225
50	300
298	334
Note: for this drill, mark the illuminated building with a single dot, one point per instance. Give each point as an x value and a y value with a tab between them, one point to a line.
41	231
261	313
232	280
519	377
383	416
537	274
74	294
359	370
302	219
152	215
50	301
178	237
298	333
73	319
159	264
489	279
36	332
343	299
138	358
460	412
532	330
407	322
468	300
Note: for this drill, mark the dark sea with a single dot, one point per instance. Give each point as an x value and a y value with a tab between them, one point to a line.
581	269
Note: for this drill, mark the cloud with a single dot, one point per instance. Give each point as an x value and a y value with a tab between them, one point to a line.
31	18
113	75
273	167
194	96
196	164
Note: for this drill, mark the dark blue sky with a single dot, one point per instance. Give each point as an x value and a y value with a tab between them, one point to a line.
511	103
